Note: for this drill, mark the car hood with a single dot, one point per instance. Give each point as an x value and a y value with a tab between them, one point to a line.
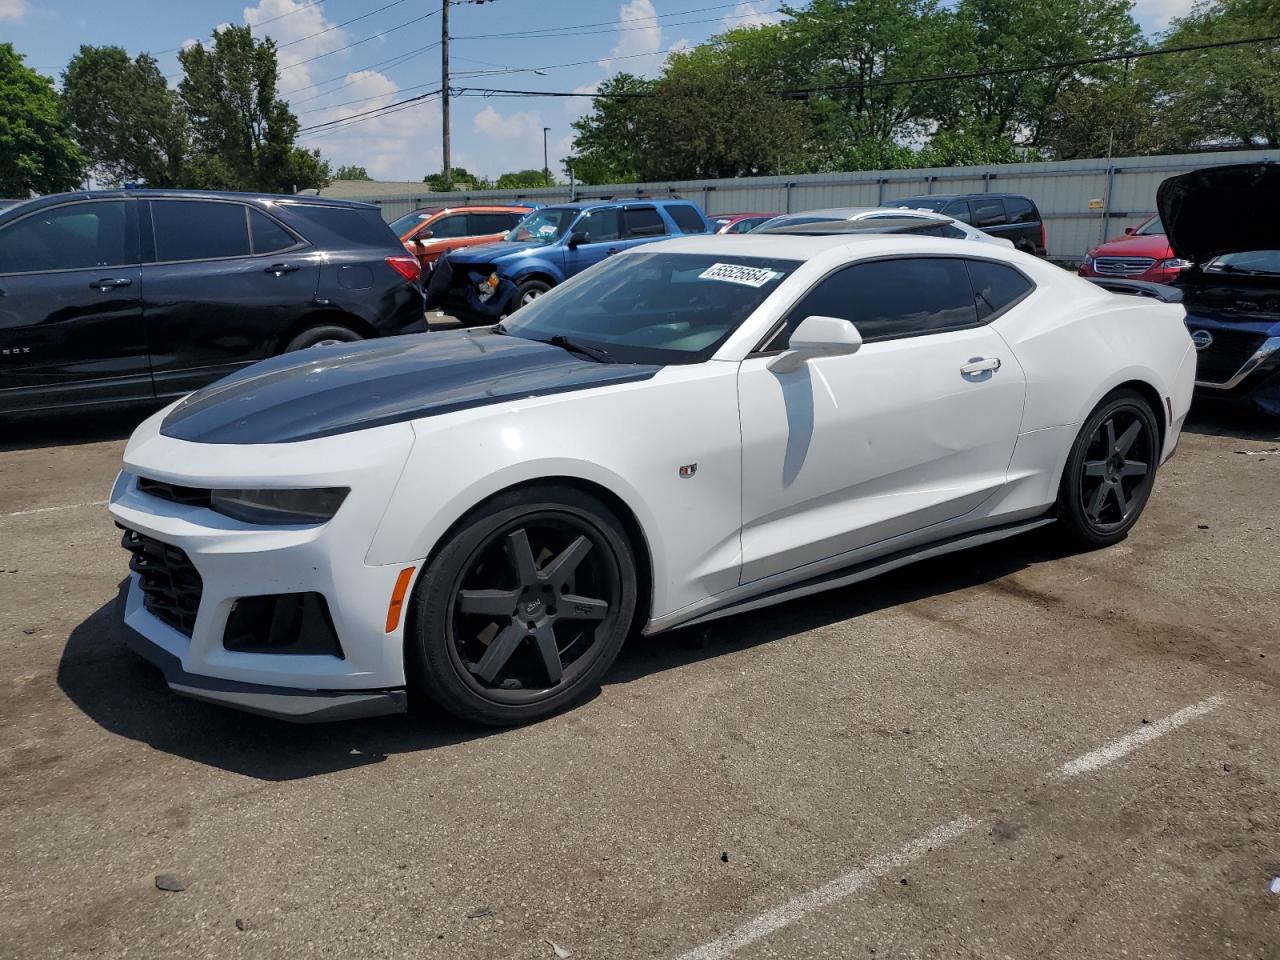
325	391
1154	245
1217	210
489	252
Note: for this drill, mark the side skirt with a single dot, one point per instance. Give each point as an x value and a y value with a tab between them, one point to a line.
861	571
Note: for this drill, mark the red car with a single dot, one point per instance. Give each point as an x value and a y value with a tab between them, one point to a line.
1143	253
738	222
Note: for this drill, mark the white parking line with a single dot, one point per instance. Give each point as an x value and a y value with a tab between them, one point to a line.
69	506
841	887
1125	745
828	893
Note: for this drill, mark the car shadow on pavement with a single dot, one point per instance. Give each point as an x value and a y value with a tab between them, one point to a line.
1221	418
68	429
928	578
127	696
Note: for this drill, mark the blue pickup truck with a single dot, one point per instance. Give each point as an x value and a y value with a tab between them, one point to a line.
483	284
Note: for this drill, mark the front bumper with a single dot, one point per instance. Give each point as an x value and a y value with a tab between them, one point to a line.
237	560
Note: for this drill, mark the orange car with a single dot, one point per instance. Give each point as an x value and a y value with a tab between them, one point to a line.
432	231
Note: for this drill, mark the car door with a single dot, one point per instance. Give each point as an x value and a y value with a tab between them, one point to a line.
914	429
603	230
71	327
989	216
225	283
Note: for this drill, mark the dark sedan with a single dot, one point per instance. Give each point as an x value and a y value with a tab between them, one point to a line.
138	295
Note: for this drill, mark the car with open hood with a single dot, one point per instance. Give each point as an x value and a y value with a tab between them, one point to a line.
485	283
1232	293
686	430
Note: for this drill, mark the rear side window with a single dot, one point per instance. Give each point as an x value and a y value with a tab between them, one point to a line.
199	230
600	226
996	286
958	210
478	224
686	218
988	213
69	237
363	227
644	222
886	299
1021	210
266	235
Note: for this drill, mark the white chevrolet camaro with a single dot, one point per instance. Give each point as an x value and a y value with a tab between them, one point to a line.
687	430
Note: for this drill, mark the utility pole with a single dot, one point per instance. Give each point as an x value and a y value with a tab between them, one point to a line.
447	166
546	169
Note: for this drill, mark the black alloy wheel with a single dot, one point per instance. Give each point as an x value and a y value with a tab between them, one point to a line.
525	609
1111	470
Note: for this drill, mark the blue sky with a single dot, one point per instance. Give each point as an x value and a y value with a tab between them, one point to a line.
325	82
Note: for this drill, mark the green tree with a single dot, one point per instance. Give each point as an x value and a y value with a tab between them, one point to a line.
607	142
1013	34
1231	94
243	132
521	178
1097	120
351	172
125	118
460	179
37	152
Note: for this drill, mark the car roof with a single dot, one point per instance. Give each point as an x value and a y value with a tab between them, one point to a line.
789	247
614	202
853	213
994	195
283	198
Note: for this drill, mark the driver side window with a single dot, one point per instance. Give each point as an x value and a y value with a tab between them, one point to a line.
69	237
600	226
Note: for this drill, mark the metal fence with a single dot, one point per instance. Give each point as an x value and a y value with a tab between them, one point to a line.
1082	201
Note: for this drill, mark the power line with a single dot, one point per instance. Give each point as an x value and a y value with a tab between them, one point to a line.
345	122
368	113
260	23
936	78
376	96
612	25
348	76
339	26
556	66
363	40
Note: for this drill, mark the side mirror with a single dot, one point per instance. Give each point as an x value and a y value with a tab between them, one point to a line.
817	337
1129	230
578	237
424	235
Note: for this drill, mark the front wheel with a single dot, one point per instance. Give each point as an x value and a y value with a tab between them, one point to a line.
524	609
528	292
1110	471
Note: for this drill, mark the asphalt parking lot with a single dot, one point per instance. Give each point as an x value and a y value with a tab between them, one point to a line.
1016	752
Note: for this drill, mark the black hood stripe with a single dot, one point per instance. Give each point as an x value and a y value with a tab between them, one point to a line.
326	391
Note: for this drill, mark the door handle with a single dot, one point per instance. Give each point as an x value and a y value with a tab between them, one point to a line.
106	283
611	251
980	365
280	269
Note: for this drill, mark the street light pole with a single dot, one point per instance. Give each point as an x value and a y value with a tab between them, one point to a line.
546	168
446	166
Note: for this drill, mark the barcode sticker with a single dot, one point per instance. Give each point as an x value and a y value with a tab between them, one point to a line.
737	273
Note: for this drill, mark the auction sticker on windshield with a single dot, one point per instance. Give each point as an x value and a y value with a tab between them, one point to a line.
737	273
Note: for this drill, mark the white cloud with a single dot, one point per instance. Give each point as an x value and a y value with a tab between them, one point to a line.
294	27
639	39
1155	15
515	142
750	15
13	9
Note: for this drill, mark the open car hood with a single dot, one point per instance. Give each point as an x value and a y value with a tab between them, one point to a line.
1217	210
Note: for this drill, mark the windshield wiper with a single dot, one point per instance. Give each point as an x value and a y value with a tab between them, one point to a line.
598	354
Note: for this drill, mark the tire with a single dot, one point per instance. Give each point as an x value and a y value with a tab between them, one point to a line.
1110	471
527	291
524	609
322	335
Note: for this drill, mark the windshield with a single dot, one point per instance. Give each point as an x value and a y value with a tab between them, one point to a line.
543	226
409	221
652	307
1150	229
920	203
1252	261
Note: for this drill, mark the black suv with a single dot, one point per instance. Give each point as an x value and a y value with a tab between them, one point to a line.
1007	215
136	295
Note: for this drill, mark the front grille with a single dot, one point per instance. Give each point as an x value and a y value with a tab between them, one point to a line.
1226	355
1122	266
171	585
189	496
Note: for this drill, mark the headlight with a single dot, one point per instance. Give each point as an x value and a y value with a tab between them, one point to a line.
486	287
1088	261
1176	263
279	507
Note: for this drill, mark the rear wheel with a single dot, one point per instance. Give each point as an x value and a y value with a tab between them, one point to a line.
322	335
524	609
1110	471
